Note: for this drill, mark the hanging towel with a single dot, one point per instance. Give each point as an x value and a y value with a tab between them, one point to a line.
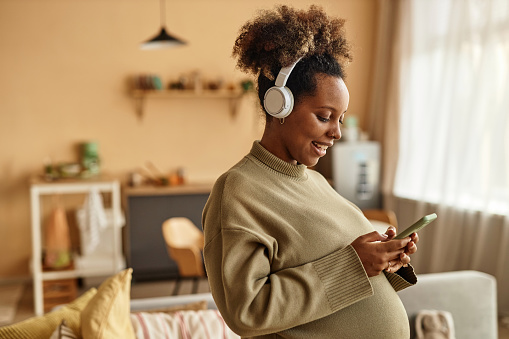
91	220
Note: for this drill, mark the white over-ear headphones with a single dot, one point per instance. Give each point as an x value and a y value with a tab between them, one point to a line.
278	100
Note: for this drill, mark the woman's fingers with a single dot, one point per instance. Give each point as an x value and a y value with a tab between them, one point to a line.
377	253
395	246
402	261
411	248
400	251
371	237
391	233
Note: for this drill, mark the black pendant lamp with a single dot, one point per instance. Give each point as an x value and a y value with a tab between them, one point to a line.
163	39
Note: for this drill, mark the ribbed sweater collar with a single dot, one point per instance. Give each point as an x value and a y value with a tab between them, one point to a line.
275	163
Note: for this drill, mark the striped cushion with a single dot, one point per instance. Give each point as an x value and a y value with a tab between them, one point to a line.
206	324
63	332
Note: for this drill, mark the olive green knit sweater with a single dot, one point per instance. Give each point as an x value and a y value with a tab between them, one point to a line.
279	259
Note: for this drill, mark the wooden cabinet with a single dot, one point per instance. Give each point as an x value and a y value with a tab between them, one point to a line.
146	210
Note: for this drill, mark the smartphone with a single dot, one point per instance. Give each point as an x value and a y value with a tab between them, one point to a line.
417	226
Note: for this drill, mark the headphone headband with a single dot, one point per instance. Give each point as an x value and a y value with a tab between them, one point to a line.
284	74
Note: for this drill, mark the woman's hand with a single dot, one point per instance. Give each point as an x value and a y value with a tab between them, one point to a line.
410	249
379	252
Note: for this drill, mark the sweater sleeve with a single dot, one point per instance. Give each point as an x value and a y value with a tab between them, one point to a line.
403	278
255	301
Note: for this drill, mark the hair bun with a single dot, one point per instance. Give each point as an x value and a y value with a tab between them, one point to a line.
278	38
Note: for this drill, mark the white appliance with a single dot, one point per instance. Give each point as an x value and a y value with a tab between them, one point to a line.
355	169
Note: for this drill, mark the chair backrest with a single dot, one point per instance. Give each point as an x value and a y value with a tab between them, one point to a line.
184	242
386	216
182	233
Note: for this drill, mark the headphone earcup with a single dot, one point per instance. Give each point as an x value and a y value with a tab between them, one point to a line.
278	102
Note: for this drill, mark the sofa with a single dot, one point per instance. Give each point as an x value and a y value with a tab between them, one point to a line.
470	296
108	312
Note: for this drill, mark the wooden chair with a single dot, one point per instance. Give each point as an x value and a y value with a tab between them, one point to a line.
184	243
379	217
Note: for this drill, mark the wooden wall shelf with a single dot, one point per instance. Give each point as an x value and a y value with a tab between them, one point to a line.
141	96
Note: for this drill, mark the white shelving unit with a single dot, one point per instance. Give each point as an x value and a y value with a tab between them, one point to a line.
114	260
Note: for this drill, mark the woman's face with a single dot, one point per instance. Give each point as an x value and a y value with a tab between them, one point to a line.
313	125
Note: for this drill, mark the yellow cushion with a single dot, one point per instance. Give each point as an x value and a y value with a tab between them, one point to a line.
107	315
44	326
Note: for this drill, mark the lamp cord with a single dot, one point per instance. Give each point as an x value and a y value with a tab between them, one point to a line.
163	12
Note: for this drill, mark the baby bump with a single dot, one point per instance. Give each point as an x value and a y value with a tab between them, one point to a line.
380	316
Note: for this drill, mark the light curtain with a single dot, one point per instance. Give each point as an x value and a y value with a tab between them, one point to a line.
449	66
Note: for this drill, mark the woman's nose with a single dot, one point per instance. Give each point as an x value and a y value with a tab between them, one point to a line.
335	132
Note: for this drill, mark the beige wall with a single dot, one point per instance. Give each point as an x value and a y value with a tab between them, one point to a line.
64	67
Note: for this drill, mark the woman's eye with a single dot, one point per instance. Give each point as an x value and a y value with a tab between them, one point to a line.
322	119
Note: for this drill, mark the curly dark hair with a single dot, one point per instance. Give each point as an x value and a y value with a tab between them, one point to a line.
278	38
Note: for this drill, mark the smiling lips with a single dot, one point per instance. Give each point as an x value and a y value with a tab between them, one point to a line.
321	148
